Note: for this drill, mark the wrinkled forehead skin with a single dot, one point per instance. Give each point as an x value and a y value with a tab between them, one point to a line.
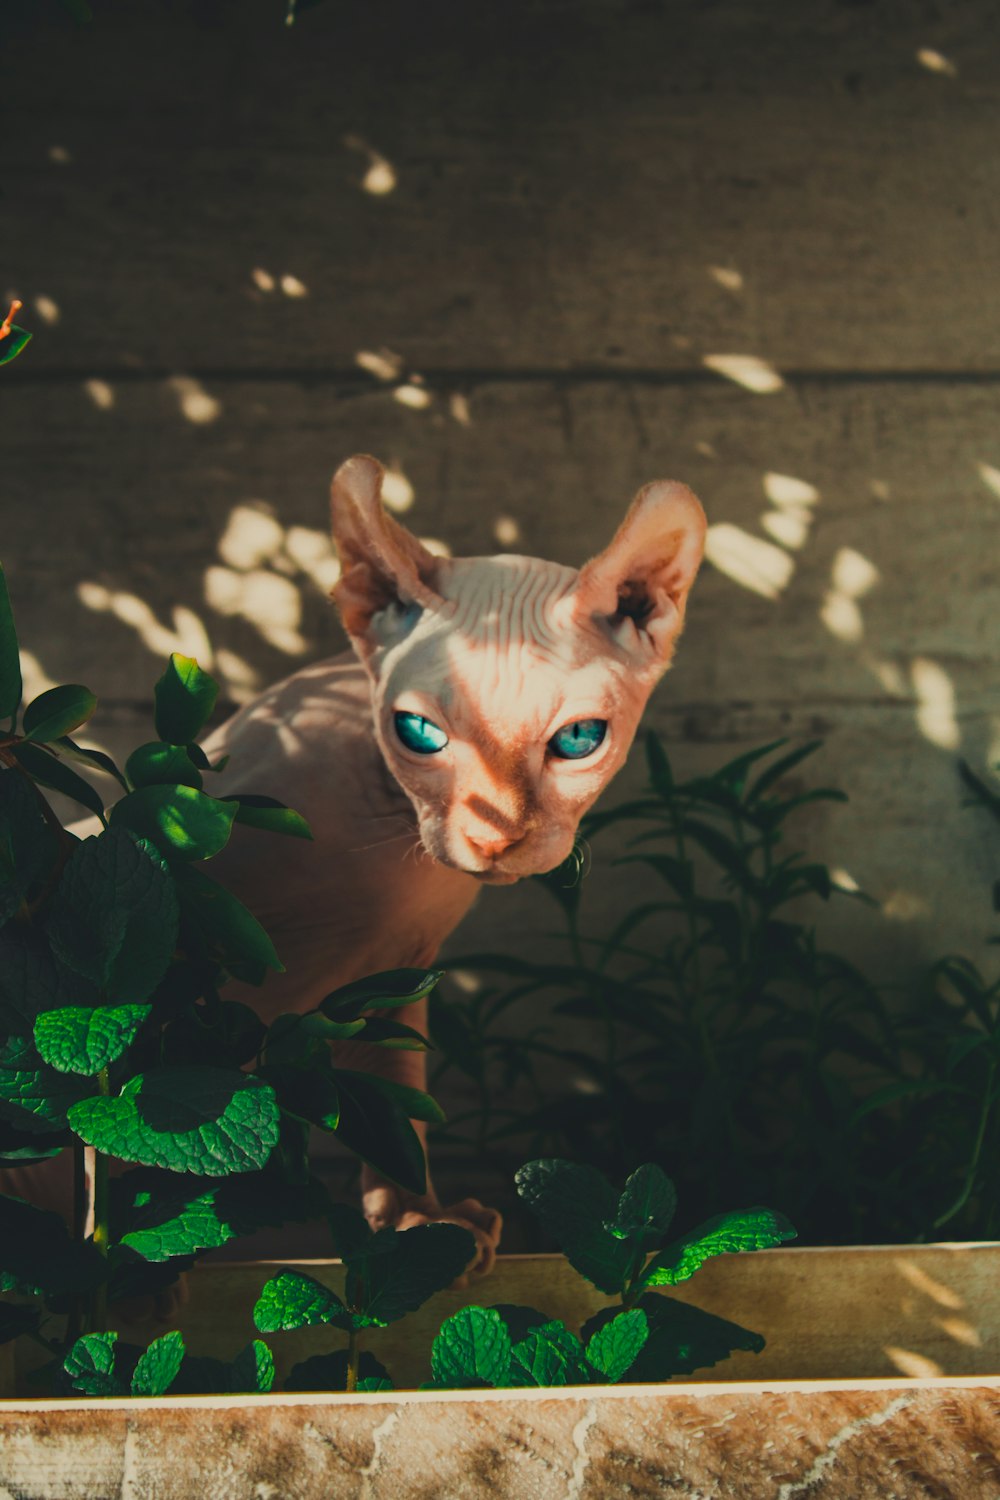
503	656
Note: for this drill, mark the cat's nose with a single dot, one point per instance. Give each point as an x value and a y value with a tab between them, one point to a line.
490	848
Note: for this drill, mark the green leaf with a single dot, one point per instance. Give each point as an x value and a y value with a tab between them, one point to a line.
31	981
79	1039
44	768
36	1249
379	1031
349	1230
413	1103
185	697
548	1355
294	1039
96	760
781	767
10	659
56	712
90	1366
252	1370
207	1121
17	1320
660	775
158	1366
309	1094
32	1095
394	987
18	338
683	1339
646	1207
378	1131
28	847
328	1372
115	914
159	764
179	820
275	817
293	1300
395	1272
726	1234
370	1383
574	1203
230	932
615	1347
473	1348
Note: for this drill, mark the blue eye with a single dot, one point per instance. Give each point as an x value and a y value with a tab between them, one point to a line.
420	734
578	740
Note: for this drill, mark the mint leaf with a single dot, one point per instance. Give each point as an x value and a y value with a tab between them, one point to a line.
90	1365
56	712
472	1349
574	1203
394	987
646	1207
31	981
614	1348
395	1272
159	763
229	931
36	1250
266	813
293	1300
726	1234
252	1370
157	1368
683	1339
179	820
184	697
32	1095
162	1217
548	1355
79	1039
208	1121
10	659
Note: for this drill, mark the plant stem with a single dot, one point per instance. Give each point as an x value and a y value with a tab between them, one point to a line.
353	1356
74	1325
970	1176
102	1228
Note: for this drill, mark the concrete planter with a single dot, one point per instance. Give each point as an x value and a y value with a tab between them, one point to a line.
880	1379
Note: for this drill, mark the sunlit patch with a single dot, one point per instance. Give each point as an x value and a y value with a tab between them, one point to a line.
748	560
991	478
100	393
223	590
507	531
263	280
397	491
935	704
726	277
34	677
312	552
853	574
929	1285
907	1362
241	680
880	490
195	402
60	156
458	405
188	635
273	605
380	177
904	906
190	631
961	1331
844	881
382	363
887	674
790	527
435	546
48	310
252	535
293	287
468	983
706	450
936	62
584	1084
842	618
747	370
785	489
414	396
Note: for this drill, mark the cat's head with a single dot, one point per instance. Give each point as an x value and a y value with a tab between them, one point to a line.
507	690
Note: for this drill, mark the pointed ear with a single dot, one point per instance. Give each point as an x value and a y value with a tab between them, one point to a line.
381	563
638	586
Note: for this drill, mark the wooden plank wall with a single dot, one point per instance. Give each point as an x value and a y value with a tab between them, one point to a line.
533	254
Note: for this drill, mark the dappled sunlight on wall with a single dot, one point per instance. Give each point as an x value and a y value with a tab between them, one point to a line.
748	560
194	401
380	176
935	704
100	393
749	371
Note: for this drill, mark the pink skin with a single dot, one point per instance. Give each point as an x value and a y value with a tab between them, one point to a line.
499	653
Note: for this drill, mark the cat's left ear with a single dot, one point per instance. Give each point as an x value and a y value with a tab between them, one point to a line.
638	586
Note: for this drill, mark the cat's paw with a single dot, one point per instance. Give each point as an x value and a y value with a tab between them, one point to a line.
384	1205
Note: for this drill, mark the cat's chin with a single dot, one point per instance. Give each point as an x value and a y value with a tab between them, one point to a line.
494	877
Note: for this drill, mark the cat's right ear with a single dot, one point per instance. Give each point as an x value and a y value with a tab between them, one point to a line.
383	567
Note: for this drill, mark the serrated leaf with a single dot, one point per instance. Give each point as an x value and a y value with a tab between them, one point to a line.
328	1372
115	914
548	1355
394	987
274	817
207	1121
161	1216
615	1347
179	820
18	338
184	698
473	1348
293	1300
726	1234
253	1369
160	764
10	659
574	1203
57	777
90	1365
81	1039
683	1339
57	711
394	1273
646	1207
229	931
31	980
33	1096
375	1129
158	1365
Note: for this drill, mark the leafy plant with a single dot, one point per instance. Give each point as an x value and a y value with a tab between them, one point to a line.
115	1033
12	338
610	1239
